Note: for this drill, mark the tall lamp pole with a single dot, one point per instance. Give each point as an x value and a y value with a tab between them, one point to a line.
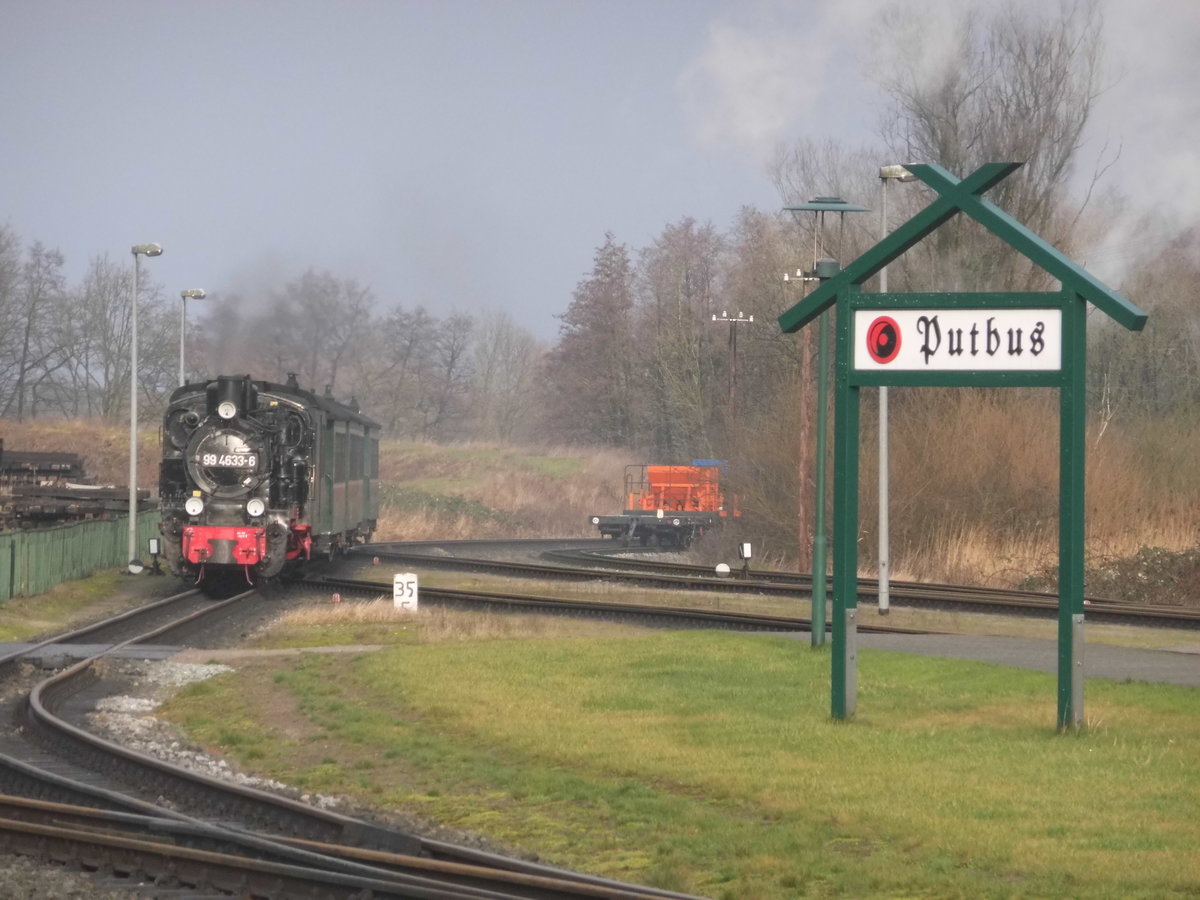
886	174
822	269
138	250
733	323
185	296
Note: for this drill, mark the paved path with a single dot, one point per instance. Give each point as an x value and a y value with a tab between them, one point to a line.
1177	666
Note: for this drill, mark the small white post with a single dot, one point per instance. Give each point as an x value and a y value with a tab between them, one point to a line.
404	591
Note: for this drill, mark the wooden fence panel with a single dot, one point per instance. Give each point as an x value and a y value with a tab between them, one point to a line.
32	562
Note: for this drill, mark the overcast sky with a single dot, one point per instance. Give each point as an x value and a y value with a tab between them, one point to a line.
468	156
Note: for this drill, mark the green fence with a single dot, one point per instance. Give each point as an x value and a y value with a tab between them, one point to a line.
32	562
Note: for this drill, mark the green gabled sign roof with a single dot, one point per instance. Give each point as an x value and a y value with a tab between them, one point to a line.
955	196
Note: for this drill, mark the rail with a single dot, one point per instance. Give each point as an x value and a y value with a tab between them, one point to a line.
401	864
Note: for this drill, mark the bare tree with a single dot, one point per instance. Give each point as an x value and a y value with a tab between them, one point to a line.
1013	85
10	330
158	350
308	329
40	286
445	379
102	346
89	332
504	363
389	370
327	315
1154	373
809	169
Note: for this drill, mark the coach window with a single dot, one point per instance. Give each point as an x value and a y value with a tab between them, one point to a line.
356	457
339	456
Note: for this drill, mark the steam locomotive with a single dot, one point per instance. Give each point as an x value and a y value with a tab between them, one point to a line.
257	478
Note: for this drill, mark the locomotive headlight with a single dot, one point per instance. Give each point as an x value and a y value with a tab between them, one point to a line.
227	409
595	520
193	506
674	521
255	507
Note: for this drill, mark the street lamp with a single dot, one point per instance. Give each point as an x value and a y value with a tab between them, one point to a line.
822	269
138	250
886	174
185	296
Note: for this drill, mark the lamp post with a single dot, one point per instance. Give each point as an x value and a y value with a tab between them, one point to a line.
886	174
822	269
185	296
138	250
733	322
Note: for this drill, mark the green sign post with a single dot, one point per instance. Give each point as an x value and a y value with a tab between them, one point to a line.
962	339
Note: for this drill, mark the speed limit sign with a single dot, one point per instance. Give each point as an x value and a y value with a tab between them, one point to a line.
404	590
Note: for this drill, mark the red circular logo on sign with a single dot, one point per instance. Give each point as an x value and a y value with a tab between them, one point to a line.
883	339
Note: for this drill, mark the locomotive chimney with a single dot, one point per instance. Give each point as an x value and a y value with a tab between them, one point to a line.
231	395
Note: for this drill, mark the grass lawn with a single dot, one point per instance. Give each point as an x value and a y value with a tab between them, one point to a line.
707	762
74	602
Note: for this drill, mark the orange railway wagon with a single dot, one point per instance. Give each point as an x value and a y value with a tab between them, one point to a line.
669	506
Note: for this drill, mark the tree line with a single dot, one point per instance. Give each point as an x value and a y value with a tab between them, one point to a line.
646	358
640	362
65	348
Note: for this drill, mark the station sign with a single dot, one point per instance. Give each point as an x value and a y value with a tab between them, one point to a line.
970	339
958	340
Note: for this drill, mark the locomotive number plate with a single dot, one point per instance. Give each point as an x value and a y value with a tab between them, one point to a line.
230	460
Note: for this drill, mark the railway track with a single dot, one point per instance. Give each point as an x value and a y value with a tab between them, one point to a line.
630	613
586	560
71	796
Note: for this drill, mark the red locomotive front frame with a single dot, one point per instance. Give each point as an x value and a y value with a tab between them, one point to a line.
224	544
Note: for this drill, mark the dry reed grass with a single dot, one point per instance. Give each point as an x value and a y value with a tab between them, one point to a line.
433	625
427	525
104	447
549	492
974	486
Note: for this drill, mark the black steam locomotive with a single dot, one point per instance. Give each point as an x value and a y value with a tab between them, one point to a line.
256	477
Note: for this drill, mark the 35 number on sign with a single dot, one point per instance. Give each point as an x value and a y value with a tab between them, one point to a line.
405	591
